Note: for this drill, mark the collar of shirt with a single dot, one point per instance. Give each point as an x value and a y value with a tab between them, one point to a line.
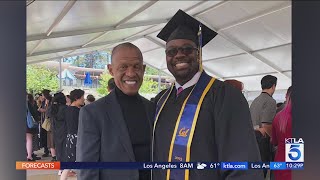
190	83
122	97
266	93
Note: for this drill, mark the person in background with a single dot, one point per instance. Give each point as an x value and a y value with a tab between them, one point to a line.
72	121
283	104
111	85
39	100
281	129
59	128
50	138
90	99
43	133
30	132
68	101
35	139
235	83
263	110
57	113
280	106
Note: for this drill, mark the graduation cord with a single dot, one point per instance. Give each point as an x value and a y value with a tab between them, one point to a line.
156	120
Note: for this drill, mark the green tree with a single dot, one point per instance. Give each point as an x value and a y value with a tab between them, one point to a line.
102	90
148	86
95	59
39	78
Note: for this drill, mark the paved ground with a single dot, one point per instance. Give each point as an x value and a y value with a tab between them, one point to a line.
44	174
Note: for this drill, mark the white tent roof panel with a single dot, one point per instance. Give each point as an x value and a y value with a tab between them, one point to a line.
151	29
156	58
288	73
64	42
204	7
31	45
280	56
49	57
120	34
254	36
233	12
162	10
279	23
96	14
237	66
220	47
87	50
145	44
41	15
262	34
155	38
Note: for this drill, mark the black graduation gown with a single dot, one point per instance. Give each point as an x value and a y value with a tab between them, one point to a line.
72	121
223	133
59	131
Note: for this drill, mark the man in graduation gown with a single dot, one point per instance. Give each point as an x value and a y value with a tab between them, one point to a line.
117	127
199	119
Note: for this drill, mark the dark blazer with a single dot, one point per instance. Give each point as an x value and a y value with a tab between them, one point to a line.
103	137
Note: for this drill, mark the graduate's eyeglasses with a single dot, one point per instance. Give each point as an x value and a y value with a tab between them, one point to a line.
186	50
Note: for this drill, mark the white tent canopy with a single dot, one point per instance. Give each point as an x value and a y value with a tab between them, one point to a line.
254	37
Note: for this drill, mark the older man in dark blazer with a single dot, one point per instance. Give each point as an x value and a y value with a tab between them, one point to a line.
117	127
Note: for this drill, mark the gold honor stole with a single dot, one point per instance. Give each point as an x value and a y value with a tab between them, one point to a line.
185	124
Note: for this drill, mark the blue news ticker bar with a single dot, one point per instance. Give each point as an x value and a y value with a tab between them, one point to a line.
277	165
259	165
234	165
295	165
183	165
145	165
128	165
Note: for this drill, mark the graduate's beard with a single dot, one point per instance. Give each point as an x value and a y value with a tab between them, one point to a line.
184	76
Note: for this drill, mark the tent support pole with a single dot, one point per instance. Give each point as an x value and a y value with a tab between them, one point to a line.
60	72
159	81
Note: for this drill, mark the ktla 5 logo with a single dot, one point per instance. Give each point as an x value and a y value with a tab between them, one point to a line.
294	150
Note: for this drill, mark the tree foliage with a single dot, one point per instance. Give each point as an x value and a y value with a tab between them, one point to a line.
102	90
39	78
148	86
96	60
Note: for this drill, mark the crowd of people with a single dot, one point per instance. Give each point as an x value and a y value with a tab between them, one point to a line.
59	137
198	119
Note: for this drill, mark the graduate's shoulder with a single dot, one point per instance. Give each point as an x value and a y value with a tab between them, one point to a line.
225	97
158	96
224	89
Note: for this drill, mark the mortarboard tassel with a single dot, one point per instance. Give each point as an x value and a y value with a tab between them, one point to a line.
200	48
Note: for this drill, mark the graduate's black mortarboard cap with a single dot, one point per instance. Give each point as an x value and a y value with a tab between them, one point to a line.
183	26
